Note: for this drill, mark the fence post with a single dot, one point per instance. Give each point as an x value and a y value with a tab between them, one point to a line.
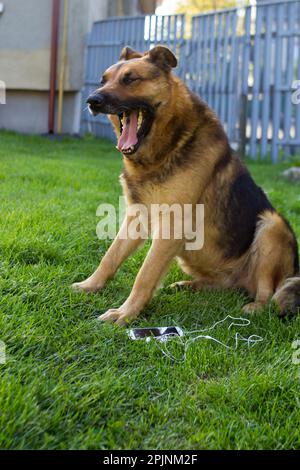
246	44
277	86
243	126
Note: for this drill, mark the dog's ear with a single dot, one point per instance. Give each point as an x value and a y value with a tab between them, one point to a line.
162	57
128	53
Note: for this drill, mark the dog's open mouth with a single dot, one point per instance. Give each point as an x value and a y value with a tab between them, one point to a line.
134	126
135	119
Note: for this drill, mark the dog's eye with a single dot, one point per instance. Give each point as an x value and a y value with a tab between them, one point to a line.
127	79
103	81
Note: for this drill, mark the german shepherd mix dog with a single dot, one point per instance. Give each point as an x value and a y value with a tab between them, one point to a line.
175	151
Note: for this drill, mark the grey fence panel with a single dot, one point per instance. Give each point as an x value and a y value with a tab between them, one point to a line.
272	126
266	80
256	88
213	66
242	61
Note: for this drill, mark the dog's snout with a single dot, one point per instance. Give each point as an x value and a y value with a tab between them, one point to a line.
95	99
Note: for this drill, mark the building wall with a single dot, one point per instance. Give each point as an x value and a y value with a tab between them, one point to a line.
25	39
25	44
27	112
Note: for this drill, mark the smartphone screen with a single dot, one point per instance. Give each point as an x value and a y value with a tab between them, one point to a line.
156	332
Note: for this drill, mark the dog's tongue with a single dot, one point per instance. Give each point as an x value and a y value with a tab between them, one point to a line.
128	138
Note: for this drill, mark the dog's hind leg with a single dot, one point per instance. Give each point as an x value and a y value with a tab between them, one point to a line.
265	290
271	261
193	285
180	285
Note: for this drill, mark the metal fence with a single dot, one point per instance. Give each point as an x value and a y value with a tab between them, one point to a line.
245	62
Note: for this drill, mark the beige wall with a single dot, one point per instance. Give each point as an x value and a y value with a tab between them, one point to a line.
24	44
27	112
25	39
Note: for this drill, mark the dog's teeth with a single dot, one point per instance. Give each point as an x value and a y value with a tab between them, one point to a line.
140	119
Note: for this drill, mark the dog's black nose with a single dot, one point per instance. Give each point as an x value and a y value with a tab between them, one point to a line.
95	99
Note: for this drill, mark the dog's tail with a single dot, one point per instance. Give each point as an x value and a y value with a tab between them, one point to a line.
287	297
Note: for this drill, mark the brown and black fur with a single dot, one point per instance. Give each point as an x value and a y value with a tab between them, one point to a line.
185	158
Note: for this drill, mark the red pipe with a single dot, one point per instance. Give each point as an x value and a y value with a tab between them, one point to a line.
53	64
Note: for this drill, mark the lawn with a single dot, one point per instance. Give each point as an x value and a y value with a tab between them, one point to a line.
70	382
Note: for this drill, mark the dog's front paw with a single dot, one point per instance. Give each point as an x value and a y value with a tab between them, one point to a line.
86	286
117	315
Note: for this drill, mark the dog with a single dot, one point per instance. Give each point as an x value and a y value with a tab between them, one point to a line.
175	151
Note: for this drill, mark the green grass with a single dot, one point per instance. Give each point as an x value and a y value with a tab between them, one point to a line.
73	383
